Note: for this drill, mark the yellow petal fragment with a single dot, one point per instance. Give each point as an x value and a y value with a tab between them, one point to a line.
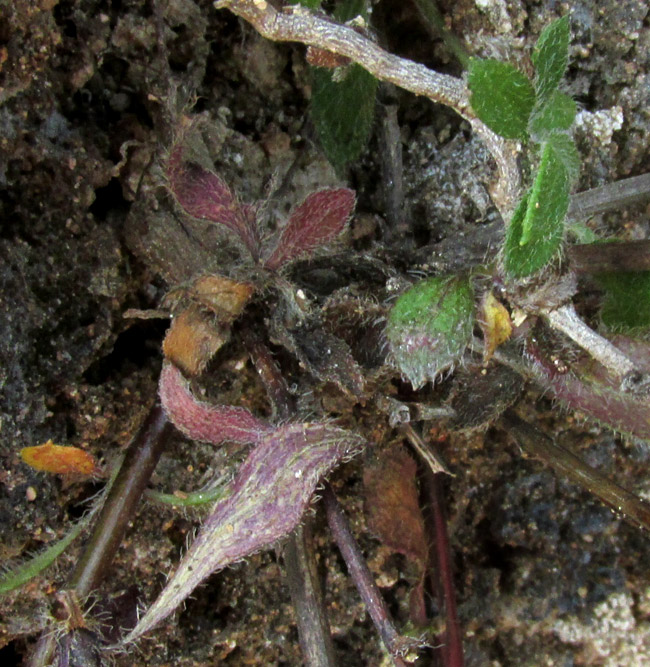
59	459
495	324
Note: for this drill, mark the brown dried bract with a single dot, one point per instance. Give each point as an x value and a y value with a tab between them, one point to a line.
193	339
203	326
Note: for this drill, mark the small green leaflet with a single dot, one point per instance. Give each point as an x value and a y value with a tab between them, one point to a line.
557	113
550	57
429	327
502	97
549	197
566	153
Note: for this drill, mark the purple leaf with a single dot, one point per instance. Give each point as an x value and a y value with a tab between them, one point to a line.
203	194
269	496
202	421
319	219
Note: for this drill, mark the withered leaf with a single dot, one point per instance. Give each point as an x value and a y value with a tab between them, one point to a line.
193	339
391	503
226	298
203	326
325	356
480	395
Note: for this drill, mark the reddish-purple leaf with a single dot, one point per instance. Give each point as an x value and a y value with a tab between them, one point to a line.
203	194
319	219
202	421
269	496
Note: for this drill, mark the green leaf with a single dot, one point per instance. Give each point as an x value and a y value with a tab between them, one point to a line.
430	326
549	196
343	112
567	154
544	238
550	57
546	202
626	306
558	113
537	226
502	97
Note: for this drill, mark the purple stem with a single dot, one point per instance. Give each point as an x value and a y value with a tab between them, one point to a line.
307	596
362	577
282	402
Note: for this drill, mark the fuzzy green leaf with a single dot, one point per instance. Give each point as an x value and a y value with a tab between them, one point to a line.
567	155
502	97
557	113
537	227
343	112
549	196
543	242
627	301
550	57
430	326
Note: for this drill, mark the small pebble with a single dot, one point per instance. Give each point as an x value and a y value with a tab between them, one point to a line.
30	494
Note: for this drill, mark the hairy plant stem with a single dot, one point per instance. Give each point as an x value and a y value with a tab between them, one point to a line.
536	444
298	24
138	464
363	579
299	557
566	320
140	459
282	403
392	169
